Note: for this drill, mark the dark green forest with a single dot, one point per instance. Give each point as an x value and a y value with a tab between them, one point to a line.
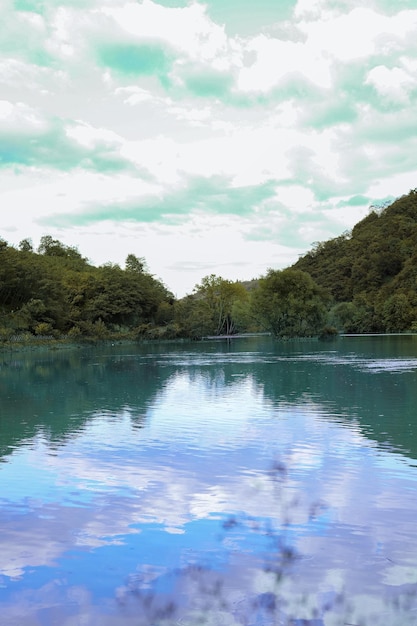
363	281
371	272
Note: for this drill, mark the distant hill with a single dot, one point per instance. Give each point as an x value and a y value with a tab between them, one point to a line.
372	271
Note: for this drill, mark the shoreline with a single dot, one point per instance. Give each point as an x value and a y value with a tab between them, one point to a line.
34	344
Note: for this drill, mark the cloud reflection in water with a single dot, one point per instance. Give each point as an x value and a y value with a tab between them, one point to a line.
198	505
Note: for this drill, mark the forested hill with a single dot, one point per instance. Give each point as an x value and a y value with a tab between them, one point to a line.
372	271
55	291
363	281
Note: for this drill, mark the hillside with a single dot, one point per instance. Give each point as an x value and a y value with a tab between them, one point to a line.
363	281
372	271
55	292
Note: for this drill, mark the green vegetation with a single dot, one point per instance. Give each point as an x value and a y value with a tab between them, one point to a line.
362	281
371	272
216	307
290	304
55	292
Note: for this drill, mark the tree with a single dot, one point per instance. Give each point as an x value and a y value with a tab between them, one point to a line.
57	289
366	267
290	304
220	297
134	263
344	317
397	313
193	317
53	247
26	245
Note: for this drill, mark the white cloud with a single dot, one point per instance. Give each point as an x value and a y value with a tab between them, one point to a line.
61	44
394	185
133	95
296	198
357	34
278	60
307	109
88	136
6	109
345	37
161	154
21	118
187	29
393	84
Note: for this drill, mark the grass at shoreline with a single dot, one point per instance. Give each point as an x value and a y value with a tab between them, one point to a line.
32	343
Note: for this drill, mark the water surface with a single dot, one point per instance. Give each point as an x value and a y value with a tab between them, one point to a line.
256	482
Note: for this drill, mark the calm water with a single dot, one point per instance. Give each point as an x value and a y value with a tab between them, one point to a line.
247	484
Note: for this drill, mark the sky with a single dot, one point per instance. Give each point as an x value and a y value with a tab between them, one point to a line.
222	137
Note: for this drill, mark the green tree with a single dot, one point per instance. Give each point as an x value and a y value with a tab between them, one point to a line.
242	315
367	318
135	264
375	261
55	248
57	289
193	317
289	303
220	296
397	313
26	245
344	316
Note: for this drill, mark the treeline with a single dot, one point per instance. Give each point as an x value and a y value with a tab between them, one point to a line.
55	292
363	281
371	272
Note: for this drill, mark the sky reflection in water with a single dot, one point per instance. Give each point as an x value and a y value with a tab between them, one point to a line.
191	493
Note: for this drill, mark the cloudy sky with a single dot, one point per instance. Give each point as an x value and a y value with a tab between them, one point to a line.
219	137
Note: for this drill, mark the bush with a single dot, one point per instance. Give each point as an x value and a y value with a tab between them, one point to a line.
5	334
43	329
74	333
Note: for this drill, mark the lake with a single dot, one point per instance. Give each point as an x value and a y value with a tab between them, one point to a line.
248	483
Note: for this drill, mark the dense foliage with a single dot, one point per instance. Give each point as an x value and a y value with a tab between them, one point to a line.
55	291
290	304
216	307
372	271
363	281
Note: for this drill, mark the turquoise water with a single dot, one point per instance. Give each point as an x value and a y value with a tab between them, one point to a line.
256	482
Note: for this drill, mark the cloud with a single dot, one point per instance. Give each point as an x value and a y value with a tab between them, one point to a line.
239	17
381	148
191	266
329	110
392	8
354	201
31	46
266	212
43	6
136	59
276	61
211	195
295	230
29	139
395	85
186	29
308	172
154	112
207	82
